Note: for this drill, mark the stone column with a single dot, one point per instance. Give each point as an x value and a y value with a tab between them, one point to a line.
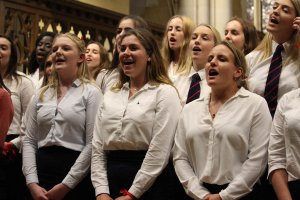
220	13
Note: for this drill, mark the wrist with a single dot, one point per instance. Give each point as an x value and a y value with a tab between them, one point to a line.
124	192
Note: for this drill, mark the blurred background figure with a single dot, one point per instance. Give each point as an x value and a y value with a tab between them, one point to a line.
241	33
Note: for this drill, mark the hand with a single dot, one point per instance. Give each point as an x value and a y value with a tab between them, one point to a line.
127	197
37	192
9	150
212	197
103	197
296	24
58	192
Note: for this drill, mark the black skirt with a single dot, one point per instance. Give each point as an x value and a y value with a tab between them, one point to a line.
53	164
122	167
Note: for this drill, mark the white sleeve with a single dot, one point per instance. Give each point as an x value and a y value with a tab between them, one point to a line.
277	153
82	164
30	143
256	163
183	168
98	165
157	157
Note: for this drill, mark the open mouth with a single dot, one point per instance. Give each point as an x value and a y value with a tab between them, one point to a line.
88	59
274	20
213	72
172	39
128	62
196	49
59	60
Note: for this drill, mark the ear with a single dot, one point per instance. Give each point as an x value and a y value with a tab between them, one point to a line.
81	58
238	72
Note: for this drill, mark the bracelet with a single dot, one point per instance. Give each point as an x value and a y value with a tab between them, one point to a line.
124	192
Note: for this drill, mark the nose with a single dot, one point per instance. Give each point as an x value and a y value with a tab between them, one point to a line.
58	51
41	47
172	31
125	52
197	41
213	62
88	53
228	36
276	11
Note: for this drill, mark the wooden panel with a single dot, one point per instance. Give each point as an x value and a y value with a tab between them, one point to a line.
23	20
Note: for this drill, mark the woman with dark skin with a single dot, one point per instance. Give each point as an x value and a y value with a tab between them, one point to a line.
38	56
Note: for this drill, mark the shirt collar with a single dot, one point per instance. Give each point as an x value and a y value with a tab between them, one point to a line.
201	73
146	86
76	83
285	45
242	92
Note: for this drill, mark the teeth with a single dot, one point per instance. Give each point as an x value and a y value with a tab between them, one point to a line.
273	20
128	62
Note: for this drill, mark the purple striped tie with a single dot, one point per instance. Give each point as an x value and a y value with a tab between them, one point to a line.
271	90
194	91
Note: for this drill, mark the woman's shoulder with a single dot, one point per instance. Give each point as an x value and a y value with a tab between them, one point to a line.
291	95
4	93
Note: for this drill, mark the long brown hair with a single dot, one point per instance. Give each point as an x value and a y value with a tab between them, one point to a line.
13	60
156	73
104	58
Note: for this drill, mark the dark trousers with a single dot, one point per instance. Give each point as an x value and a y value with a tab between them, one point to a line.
12	181
255	194
122	167
53	164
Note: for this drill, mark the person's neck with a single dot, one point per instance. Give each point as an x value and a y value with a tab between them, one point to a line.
280	39
175	57
92	71
137	83
198	66
222	95
66	81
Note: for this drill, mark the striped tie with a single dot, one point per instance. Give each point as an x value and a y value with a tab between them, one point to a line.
271	90
194	91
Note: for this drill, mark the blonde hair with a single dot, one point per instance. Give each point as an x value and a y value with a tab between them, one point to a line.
216	34
156	73
184	59
217	39
82	73
293	53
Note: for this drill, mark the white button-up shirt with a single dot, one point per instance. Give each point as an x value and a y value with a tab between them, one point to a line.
22	90
145	121
229	149
69	124
289	78
106	79
284	146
